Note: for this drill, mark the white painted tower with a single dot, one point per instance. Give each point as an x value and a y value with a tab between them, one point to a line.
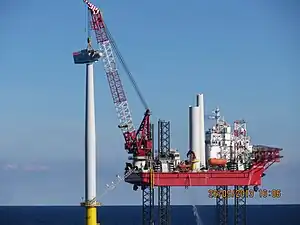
200	104
90	137
88	57
197	132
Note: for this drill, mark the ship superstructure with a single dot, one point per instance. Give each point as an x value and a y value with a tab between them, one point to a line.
228	148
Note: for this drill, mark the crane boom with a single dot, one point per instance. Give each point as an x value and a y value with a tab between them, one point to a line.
137	142
110	67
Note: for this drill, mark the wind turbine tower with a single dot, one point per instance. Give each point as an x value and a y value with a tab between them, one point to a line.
88	56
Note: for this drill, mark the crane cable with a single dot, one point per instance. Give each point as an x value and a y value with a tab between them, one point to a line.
125	67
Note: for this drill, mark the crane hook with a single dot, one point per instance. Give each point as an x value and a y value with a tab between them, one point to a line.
89	42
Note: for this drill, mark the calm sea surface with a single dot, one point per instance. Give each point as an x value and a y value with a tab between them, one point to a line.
131	215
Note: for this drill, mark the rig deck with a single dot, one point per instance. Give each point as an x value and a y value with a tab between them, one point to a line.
264	158
205	178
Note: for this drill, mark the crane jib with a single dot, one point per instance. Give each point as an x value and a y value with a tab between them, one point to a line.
136	142
113	78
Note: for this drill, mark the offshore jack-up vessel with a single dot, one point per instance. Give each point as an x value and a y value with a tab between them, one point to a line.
219	157
223	155
216	157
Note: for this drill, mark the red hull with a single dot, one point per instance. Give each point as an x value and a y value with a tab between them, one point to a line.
264	158
209	178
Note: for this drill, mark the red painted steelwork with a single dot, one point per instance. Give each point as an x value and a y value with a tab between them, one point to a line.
263	158
209	178
137	142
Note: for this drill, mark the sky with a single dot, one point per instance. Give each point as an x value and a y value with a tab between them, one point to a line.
243	55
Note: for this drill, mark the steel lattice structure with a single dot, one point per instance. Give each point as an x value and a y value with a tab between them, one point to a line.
240	206
137	142
148	196
110	67
148	205
222	206
164	195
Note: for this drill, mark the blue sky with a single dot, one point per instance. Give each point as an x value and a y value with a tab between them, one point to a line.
243	55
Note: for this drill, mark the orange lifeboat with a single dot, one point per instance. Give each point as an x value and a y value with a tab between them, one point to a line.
217	162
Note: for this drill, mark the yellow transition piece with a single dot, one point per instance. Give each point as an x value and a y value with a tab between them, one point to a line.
91	215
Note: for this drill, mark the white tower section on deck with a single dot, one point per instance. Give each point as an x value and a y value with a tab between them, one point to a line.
196	133
200	104
90	137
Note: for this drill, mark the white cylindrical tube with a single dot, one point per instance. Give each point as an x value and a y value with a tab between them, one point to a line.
194	133
198	100
200	103
90	137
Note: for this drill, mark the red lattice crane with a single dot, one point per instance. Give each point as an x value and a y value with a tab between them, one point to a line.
137	142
